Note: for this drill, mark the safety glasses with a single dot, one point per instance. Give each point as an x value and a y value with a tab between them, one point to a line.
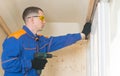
42	18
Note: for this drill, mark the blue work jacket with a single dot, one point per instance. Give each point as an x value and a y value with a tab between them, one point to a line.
19	48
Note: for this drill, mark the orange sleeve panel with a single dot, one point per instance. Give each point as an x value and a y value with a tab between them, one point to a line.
17	34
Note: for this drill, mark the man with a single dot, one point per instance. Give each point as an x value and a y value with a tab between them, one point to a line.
20	47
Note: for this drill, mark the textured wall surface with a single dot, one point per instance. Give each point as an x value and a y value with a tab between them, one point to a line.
70	61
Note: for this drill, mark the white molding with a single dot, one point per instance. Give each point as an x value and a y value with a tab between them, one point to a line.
100	41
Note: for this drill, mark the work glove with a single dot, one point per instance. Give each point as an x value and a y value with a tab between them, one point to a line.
86	29
38	63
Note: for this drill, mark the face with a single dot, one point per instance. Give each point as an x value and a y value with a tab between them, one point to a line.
36	21
39	21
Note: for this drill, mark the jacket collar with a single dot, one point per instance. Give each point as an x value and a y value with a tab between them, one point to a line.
28	31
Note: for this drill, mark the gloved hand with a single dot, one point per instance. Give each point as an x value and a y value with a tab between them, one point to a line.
87	29
38	63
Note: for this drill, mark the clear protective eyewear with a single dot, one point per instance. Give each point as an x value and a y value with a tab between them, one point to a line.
42	18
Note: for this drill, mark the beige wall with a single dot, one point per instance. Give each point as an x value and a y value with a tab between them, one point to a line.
10	14
2	37
70	61
56	29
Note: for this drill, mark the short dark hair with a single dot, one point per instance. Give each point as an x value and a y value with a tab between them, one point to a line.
30	10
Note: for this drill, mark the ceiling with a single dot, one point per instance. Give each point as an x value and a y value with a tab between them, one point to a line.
66	11
58	10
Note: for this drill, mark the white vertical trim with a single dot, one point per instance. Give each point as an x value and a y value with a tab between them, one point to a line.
93	54
103	35
100	41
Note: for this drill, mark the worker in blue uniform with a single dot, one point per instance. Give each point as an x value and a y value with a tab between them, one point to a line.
19	47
